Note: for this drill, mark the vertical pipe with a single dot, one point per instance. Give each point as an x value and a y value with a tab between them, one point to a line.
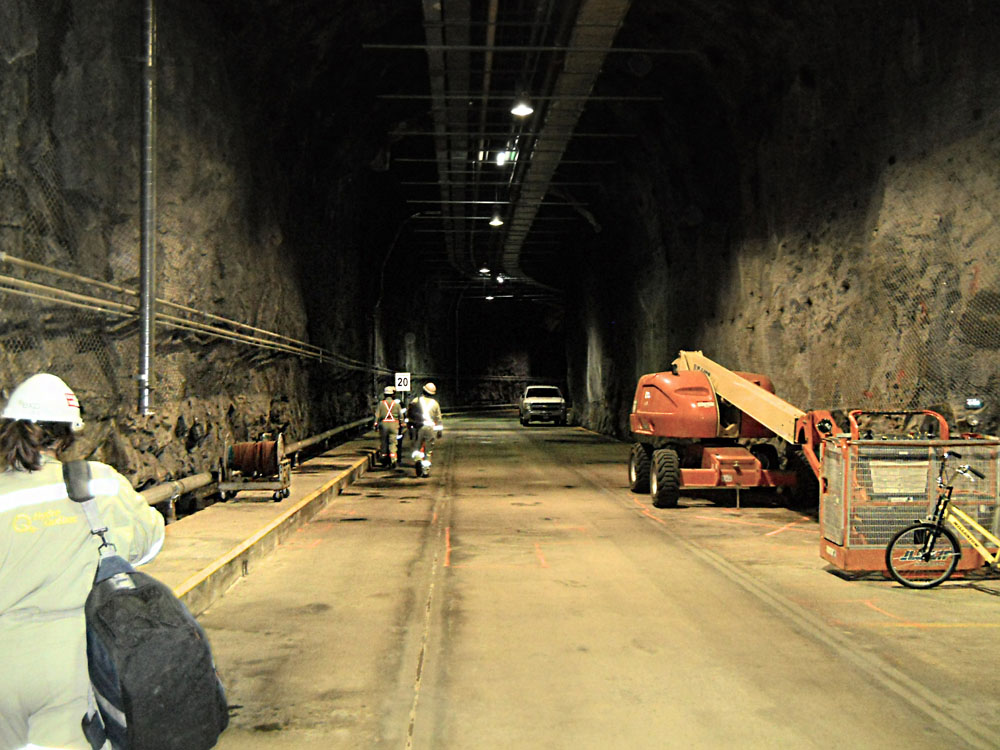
147	260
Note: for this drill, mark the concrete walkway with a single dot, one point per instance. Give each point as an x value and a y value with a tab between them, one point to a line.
207	552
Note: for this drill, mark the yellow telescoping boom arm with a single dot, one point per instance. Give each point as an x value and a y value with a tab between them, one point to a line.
776	414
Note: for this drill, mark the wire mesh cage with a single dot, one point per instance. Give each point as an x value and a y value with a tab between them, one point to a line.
873	488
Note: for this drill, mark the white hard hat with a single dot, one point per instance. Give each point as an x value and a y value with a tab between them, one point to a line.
44	398
430	389
389	390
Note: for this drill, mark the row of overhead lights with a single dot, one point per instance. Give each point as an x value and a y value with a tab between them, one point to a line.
521	108
485	271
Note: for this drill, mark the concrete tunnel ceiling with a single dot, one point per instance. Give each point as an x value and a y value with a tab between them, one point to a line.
423	92
695	174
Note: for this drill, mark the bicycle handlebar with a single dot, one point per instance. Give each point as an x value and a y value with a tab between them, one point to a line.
963	469
969	469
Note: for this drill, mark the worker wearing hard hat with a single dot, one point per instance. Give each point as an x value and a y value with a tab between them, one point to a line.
424	415
388	417
49	560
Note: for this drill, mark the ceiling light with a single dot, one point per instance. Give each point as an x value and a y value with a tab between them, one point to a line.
489	296
522	107
496	221
501	278
485	270
502	158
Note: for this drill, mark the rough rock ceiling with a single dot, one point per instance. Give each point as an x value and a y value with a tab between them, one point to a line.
491	164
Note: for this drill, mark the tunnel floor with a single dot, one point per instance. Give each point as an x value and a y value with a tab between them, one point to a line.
522	597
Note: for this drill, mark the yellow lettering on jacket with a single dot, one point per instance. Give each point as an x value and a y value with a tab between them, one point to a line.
22	524
28	524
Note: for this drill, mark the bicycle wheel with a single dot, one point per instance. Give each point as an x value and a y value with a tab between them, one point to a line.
922	555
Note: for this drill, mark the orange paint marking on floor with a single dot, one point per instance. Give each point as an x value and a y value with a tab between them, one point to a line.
871	605
447	546
752	523
646	512
540	556
786	527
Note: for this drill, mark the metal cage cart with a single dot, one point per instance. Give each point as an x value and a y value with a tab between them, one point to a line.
872	487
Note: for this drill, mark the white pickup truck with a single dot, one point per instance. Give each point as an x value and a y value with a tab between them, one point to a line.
542	403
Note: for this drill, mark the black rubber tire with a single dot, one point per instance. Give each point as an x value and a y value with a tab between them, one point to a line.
767	455
524	422
665	478
639	463
917	572
805	494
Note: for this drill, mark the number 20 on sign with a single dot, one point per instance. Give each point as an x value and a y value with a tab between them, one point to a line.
402	381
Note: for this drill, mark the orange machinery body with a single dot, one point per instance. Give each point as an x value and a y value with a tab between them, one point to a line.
671	407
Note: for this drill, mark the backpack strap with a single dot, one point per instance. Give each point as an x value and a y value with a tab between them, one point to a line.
93	723
76	475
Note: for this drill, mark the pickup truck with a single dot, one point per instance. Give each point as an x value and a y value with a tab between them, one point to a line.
542	403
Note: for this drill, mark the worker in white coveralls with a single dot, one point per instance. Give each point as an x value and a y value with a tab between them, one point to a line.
48	559
424	416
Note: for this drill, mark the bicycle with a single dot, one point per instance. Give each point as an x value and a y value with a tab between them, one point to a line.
927	552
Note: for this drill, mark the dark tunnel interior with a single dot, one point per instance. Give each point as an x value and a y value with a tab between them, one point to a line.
801	189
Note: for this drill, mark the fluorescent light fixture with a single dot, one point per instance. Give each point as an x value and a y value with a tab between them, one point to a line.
489	296
522	107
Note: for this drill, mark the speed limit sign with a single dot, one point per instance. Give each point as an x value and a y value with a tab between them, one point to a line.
402	381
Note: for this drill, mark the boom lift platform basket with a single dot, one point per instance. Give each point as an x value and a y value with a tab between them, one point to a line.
260	465
871	488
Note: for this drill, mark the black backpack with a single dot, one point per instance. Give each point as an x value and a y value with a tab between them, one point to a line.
150	663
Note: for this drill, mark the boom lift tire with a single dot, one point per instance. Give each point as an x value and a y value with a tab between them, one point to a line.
805	494
638	468
665	478
767	455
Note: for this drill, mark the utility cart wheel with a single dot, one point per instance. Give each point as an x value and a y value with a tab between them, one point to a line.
665	478
638	468
277	496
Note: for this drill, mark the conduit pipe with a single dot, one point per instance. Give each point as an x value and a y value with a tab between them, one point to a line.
5	258
147	261
61	296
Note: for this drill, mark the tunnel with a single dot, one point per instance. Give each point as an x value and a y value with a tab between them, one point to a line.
232	223
796	189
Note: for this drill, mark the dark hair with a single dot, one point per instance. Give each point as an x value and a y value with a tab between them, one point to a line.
22	442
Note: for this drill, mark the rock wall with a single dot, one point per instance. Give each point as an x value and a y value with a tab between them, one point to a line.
70	126
820	208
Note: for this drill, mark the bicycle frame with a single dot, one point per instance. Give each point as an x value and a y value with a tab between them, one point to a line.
958	519
946	512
